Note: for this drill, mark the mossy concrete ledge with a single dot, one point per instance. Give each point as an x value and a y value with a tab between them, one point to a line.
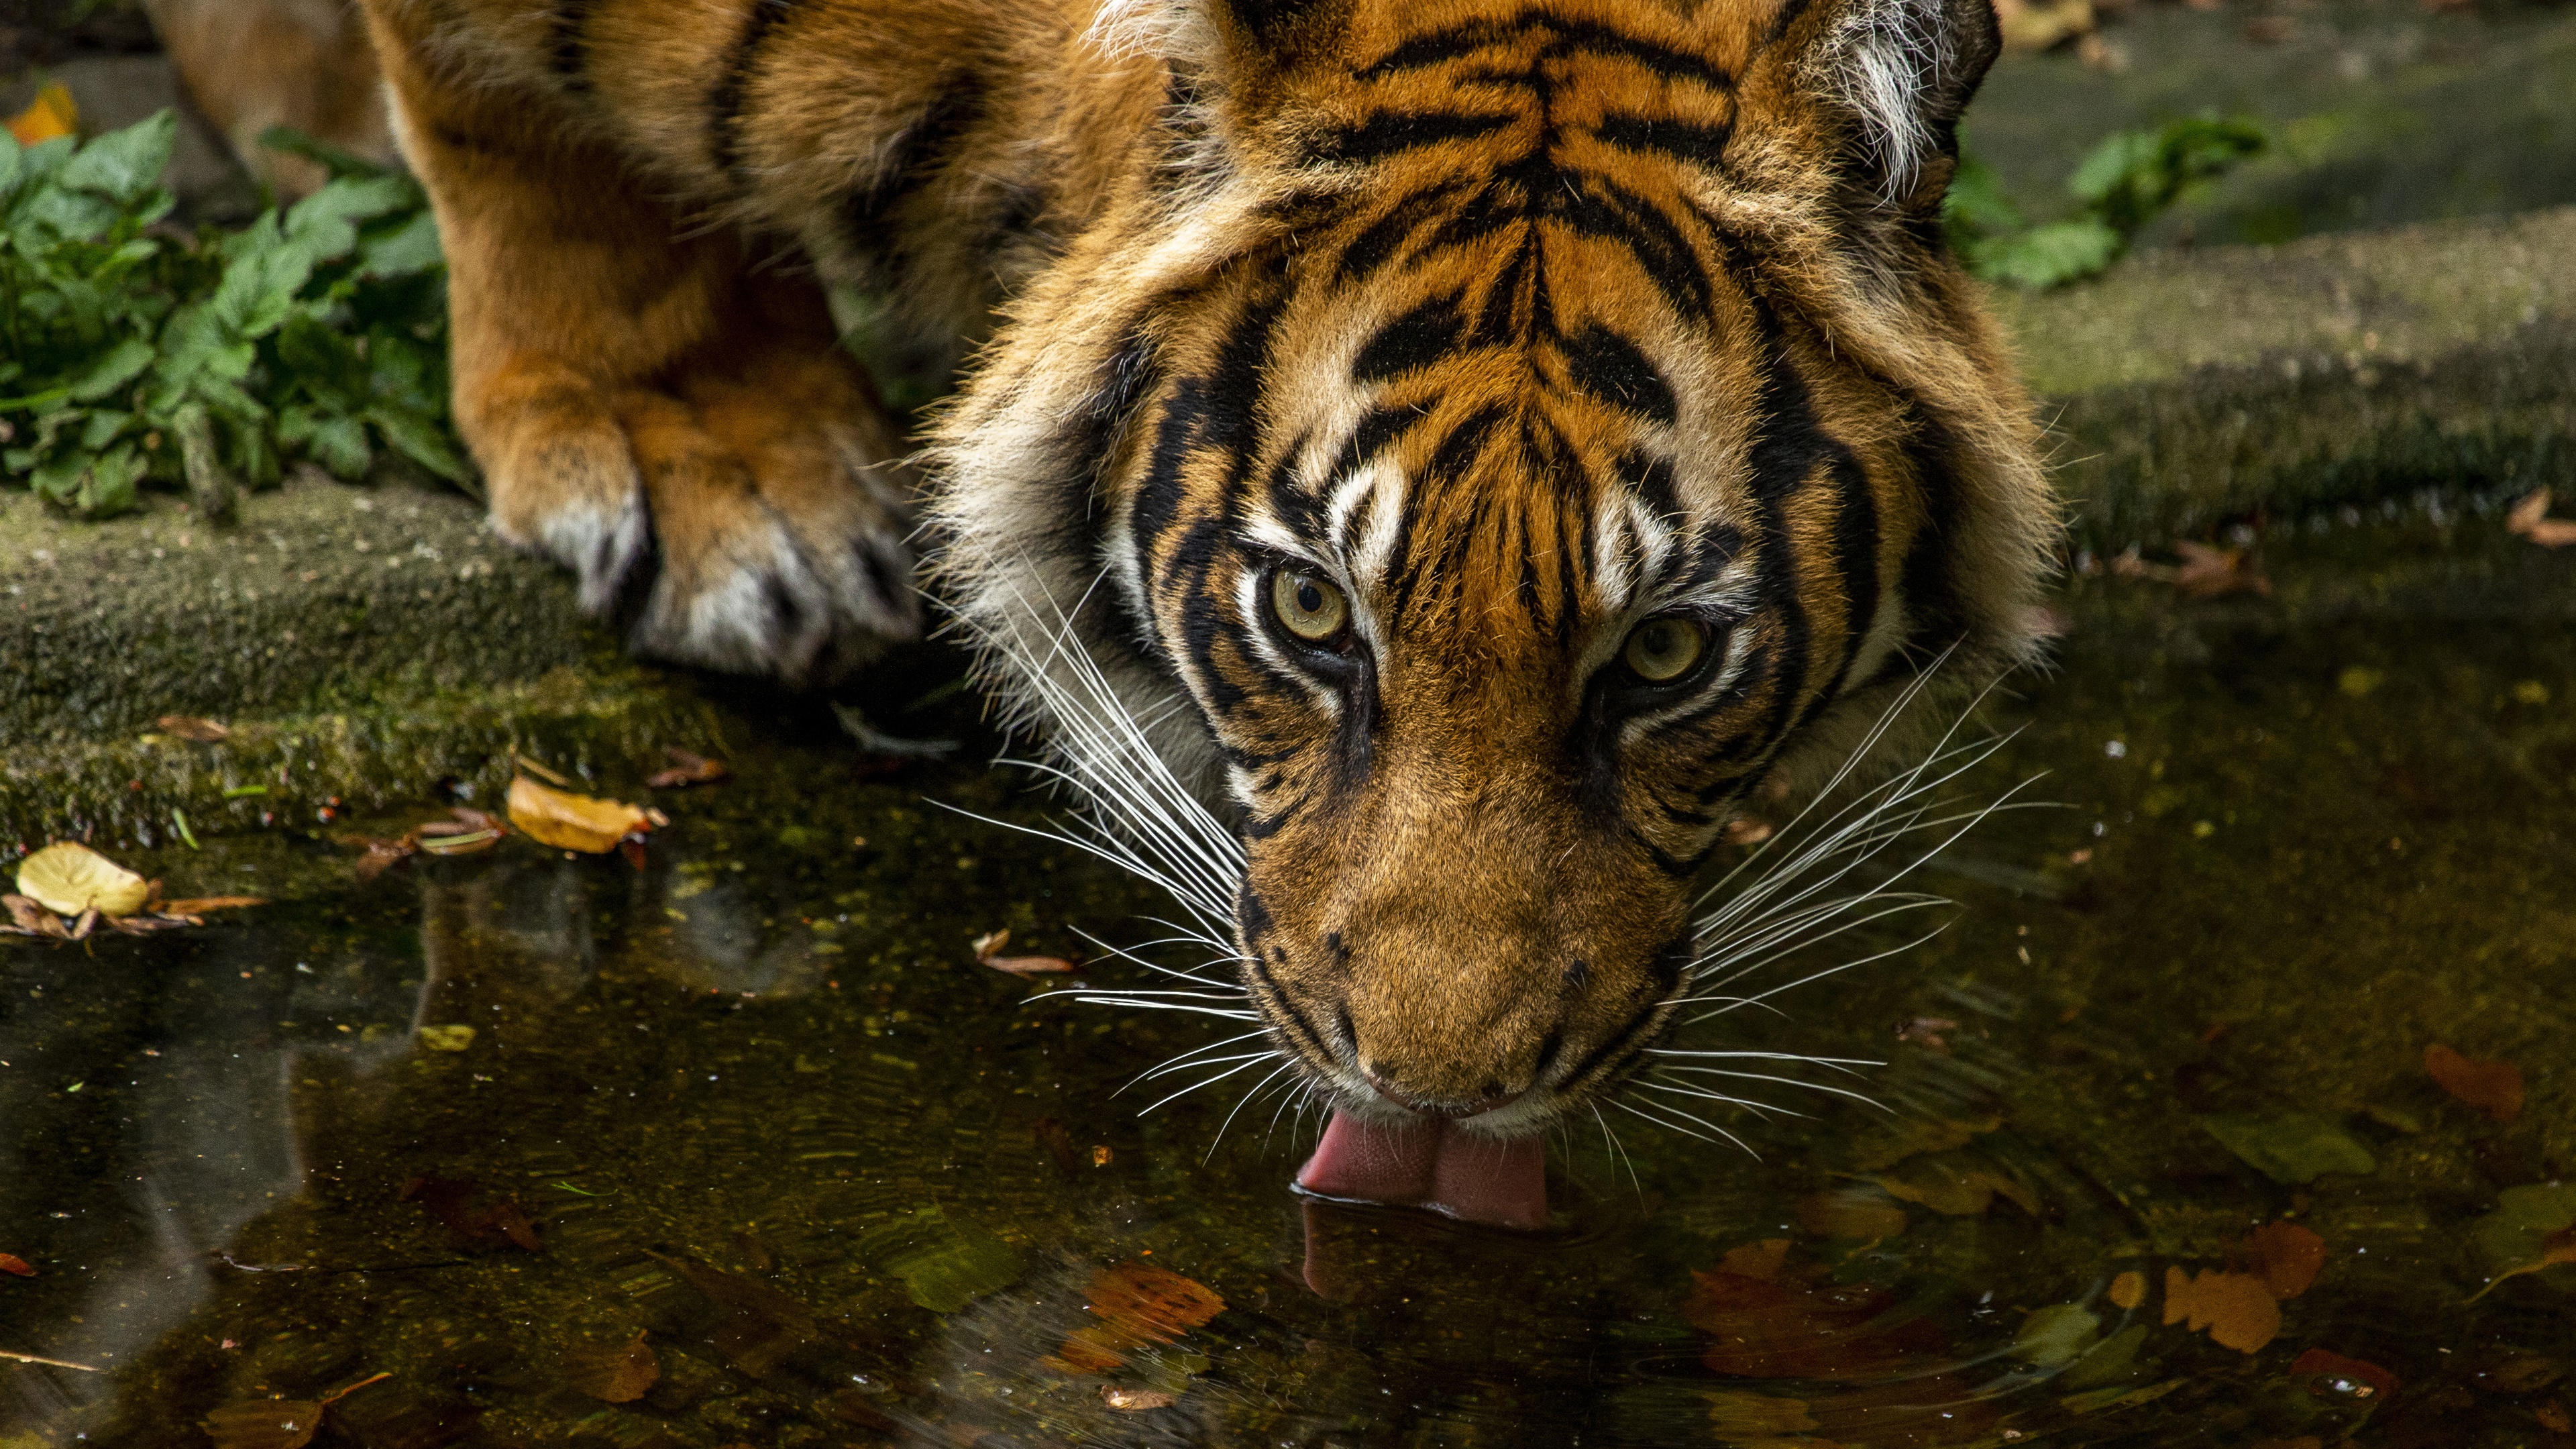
2188	388
362	644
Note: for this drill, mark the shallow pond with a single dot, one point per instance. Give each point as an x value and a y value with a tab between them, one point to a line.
2160	1161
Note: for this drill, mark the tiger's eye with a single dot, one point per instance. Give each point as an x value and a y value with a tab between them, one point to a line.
1663	650
1310	605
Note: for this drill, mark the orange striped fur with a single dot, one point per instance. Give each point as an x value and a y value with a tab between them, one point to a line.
1498	330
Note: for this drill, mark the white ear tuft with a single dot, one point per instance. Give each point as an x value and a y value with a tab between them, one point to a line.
1906	68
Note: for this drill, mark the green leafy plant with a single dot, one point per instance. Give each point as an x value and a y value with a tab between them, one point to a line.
132	352
2126	181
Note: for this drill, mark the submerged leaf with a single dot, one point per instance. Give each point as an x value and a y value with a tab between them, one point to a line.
265	1424
2057	1335
2365	1379
69	878
2532	1230
573	822
12	1263
2287	1256
945	1263
1137	1304
2238	1309
2494	1088
687	768
2291	1148
618	1375
1768	1324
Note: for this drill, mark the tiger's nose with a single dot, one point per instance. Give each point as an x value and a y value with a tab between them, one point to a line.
1494	1099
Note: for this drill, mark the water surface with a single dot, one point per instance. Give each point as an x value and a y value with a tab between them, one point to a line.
758	1103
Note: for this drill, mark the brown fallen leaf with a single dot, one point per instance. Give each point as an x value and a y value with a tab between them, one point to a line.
28	916
1851	1213
1119	1396
2128	1289
613	1375
275	1423
2553	1416
1770	1323
69	878
988	946
2493	1087
2237	1309
1058	1143
2369	1380
1137	1304
377	855
568	821
1955	1185
686	769
2215	573
200	905
2287	1257
2530	519
446	1199
1928	1032
190	727
12	1263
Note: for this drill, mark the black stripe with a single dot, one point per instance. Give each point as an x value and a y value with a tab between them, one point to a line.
915	158
1125	379
1615	370
1567	38
1391	133
1681	140
570	54
1417	339
1378	241
1609	211
725	99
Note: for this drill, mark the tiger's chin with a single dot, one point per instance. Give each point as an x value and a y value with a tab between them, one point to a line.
1464	1168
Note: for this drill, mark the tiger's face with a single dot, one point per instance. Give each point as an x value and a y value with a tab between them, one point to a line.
1503	435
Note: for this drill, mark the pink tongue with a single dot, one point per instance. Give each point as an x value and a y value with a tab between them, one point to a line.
1431	1163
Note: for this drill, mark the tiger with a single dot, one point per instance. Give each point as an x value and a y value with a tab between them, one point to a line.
1422	466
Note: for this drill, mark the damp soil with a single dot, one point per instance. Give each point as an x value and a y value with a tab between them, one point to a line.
758	1102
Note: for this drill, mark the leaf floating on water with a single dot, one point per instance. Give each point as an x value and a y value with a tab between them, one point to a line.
2532	1230
686	769
2057	1335
2530	519
1137	1304
2214	573
265	1424
12	1263
1119	1396
1771	1323
1920	1137
2128	1289
2291	1148
945	1263
193	729
454	1038
1856	1214
568	821
2365	1380
2237	1309
989	945
2494	1088
69	878
1741	1414
447	1198
2287	1257
1956	1184
617	1375
206	905
275	1423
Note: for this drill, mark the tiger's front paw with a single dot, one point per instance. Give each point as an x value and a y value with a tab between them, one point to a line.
748	518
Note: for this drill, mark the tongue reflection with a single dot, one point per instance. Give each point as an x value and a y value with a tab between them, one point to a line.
1429	1162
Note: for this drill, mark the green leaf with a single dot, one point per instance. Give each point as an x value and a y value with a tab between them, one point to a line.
1976	203
2290	1148
324	226
123	165
2532	1230
2051	255
945	1263
341	446
322	359
409	248
109	486
422	442
338	162
2056	1335
122	364
104	427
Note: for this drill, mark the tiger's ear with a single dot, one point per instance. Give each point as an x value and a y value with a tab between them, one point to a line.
1897	74
1205	34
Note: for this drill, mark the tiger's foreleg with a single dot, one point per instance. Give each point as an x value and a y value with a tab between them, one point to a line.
684	433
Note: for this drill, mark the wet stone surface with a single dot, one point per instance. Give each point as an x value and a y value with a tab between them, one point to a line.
758	1103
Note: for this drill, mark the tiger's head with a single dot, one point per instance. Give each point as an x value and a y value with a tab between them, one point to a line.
1483	442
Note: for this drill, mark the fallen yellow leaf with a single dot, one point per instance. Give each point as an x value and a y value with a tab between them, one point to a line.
51	114
70	878
2238	1309
573	822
